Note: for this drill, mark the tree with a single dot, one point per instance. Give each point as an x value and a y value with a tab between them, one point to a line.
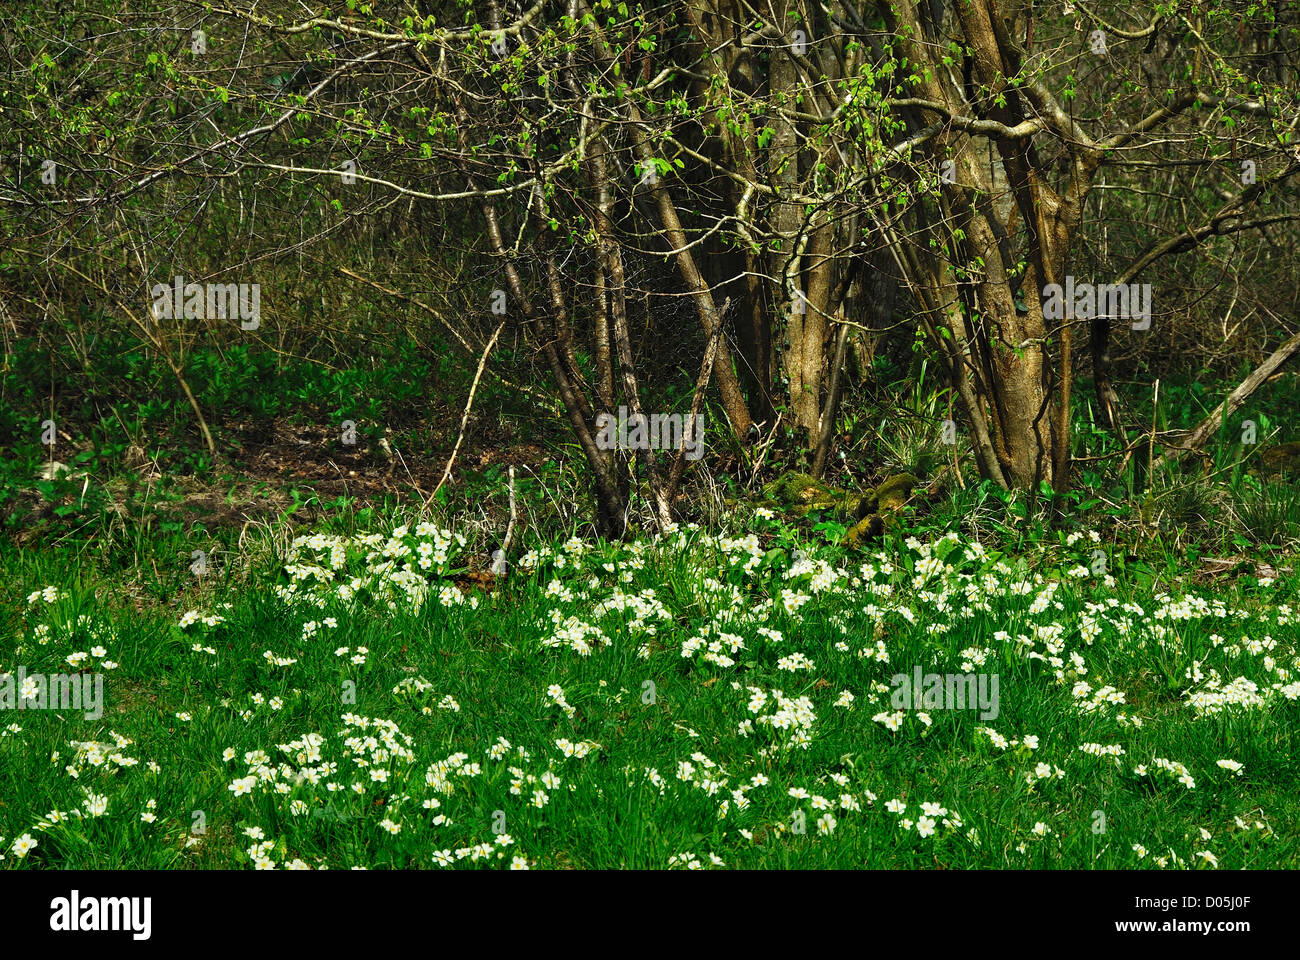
747	187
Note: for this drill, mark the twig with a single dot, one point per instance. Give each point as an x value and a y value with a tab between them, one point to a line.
1151	447
761	453
423	306
414	483
499	560
1219	416
465	344
160	342
706	372
464	419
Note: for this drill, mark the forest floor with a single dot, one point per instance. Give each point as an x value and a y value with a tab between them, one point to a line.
289	659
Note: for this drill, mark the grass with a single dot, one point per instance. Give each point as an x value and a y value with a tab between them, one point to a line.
640	705
573	714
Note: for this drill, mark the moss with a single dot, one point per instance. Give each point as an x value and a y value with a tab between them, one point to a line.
894	492
873	510
800	493
795	488
866	529
878	510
